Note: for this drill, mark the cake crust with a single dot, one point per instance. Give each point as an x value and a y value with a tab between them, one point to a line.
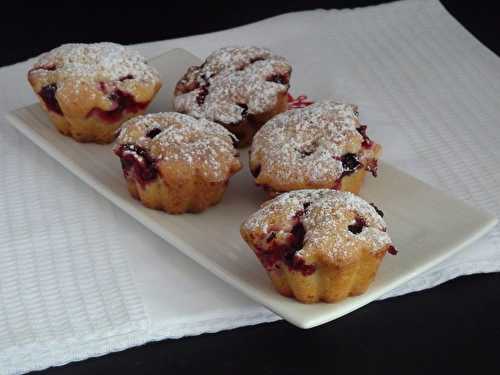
89	90
238	87
322	145
318	245
176	163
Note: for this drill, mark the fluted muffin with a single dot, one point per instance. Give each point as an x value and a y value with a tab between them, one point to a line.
322	145
318	245
89	90
238	87
175	162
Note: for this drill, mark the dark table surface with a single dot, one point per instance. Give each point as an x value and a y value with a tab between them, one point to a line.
452	328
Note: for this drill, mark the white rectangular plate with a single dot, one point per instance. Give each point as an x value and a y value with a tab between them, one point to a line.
426	225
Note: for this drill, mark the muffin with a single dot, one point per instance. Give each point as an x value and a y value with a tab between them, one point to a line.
238	87
89	90
321	145
175	162
318	245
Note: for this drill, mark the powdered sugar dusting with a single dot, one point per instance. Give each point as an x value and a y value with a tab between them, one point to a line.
305	145
96	62
326	215
199	143
233	82
93	70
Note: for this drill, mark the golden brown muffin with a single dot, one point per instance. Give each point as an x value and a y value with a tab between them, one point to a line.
318	245
176	163
322	145
89	90
238	87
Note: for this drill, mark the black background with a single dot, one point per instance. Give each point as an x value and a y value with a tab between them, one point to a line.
453	328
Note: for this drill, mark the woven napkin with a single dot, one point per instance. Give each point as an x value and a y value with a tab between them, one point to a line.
79	278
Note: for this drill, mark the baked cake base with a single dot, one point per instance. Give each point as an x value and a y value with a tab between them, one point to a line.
327	283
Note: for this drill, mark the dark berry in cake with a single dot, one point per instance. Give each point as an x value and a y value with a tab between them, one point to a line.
367	142
279	78
350	163
153	132
137	160
358	226
244	112
200	98
377	209
48	94
122	102
392	250
124	78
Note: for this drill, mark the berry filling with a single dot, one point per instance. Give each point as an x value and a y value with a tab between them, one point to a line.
137	162
204	79
306	206
271	237
124	78
200	98
244	112
338	184
358	225
282	79
367	142
186	84
256	59
392	250
203	87
284	250
299	214
296	242
151	133
304	153
350	163
48	95
243	66
122	102
379	211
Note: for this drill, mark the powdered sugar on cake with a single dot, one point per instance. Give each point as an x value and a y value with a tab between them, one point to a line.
176	137
326	216
305	145
84	64
232	83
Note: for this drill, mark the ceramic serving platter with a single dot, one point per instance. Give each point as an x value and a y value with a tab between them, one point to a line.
426	225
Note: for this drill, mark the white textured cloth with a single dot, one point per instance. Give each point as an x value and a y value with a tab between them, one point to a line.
79	278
